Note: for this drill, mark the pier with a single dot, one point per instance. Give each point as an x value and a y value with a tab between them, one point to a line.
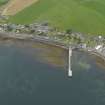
69	63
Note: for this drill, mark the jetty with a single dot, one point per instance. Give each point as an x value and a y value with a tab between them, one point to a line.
69	63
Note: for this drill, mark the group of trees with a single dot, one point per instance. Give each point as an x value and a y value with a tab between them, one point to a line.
74	37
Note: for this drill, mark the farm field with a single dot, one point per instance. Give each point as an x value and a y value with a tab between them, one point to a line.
86	16
15	6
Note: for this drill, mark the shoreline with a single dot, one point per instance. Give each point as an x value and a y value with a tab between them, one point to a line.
27	37
98	55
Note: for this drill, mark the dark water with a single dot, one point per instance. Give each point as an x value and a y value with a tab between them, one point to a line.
36	74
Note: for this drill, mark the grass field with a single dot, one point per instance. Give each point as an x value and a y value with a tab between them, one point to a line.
87	16
3	2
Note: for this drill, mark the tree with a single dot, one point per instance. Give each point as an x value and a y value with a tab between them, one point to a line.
69	31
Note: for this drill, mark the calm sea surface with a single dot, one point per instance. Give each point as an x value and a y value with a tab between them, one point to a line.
36	74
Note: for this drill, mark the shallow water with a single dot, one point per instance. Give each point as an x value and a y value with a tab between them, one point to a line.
36	74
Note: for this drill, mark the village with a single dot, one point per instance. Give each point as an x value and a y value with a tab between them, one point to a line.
43	31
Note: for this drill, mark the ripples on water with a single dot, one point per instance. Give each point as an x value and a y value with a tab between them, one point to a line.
35	74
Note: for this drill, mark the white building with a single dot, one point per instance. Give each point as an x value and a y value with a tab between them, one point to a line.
99	47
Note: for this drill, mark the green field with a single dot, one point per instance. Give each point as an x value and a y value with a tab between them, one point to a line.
3	2
86	16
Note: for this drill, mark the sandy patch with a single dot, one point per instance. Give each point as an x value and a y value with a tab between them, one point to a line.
15	6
